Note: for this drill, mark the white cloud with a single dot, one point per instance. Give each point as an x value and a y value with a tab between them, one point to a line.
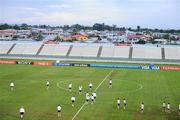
30	8
59	6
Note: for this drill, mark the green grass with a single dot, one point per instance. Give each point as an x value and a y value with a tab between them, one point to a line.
40	104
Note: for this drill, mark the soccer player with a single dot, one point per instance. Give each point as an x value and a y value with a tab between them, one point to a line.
164	106
118	103
87	98
142	107
94	95
70	86
73	99
90	86
124	102
92	99
47	85
80	89
22	111
59	110
168	108
110	83
179	109
12	86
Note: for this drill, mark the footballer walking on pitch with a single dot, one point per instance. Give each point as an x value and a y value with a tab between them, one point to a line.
90	86
110	83
168	108
164	107
70	87
118	103
124	102
47	85
80	89
73	99
12	86
22	111
92	99
59	110
179	110
142	107
94	95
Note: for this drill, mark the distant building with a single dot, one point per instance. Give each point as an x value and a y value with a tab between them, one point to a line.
7	34
80	37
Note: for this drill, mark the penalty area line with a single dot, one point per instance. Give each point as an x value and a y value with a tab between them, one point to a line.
94	91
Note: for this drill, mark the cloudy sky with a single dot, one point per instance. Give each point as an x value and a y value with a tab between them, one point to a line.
128	13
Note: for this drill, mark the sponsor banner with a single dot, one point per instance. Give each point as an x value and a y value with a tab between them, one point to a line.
7	62
43	63
170	67
80	65
61	64
114	66
23	62
150	67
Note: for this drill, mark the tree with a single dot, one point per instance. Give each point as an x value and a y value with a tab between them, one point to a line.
16	27
141	41
138	28
39	37
57	38
166	36
24	26
4	26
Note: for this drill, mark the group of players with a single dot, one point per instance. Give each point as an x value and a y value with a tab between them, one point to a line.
92	97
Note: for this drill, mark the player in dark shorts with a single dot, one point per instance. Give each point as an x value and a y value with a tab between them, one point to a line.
22	111
59	110
118	103
124	102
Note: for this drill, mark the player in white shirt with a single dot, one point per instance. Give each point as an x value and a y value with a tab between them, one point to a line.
70	86
12	86
90	86
142	107
80	89
110	83
124	102
73	99
168	108
92	99
164	106
22	111
179	109
94	95
118	103
59	110
47	85
87	98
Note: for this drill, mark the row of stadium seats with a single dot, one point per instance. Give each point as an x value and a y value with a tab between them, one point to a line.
91	51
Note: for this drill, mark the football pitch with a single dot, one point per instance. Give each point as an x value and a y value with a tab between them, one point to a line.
149	86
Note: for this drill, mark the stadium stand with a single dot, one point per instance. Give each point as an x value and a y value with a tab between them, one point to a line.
25	49
172	53
115	52
54	50
4	48
163	54
84	51
147	53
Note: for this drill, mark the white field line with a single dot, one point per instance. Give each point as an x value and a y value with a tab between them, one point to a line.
65	88
94	90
